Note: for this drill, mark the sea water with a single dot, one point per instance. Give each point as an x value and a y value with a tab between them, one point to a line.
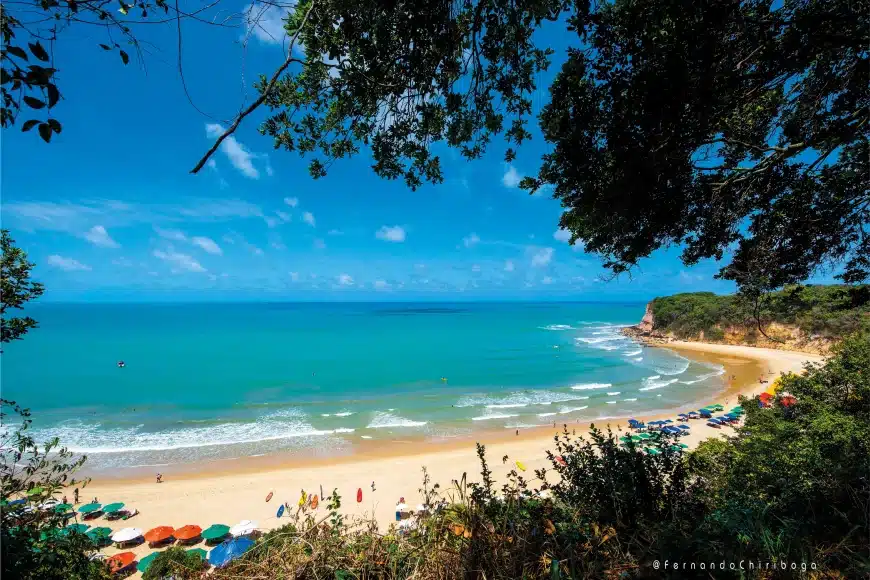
213	381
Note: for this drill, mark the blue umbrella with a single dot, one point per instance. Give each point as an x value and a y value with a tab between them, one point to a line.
229	551
683	427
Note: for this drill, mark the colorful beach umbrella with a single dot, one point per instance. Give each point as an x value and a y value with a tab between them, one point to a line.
145	562
199	552
127	535
215	532
120	561
229	551
62	507
77	528
99	535
243	528
187	533
113	507
90	508
159	534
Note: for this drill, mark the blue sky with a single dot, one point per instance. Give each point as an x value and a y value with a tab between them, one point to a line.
109	210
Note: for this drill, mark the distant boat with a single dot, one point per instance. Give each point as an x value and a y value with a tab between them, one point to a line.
121	364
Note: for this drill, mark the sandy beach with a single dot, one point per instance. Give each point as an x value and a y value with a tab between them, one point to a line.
229	491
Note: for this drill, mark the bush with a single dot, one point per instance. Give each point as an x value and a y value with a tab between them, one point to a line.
175	562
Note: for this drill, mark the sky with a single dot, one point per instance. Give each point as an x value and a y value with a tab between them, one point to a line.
109	211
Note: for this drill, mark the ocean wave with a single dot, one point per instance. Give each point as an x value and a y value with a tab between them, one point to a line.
516	400
590	386
599	339
629	400
611	402
507	406
546	414
633	353
565	410
523	426
493	416
557	327
700	378
91	438
638	359
676	367
383	420
613	394
656	384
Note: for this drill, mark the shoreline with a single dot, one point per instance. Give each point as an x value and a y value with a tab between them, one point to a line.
227	491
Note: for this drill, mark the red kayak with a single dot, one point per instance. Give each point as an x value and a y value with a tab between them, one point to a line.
268	497
359	495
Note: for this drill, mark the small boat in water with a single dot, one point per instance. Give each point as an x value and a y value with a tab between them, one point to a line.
121	364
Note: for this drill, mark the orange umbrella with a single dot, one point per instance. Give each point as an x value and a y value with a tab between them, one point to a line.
187	532
120	561
159	534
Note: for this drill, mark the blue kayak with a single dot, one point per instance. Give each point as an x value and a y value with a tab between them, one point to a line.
280	511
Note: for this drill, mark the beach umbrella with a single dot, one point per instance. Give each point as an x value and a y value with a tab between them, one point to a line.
90	508
159	534
62	507
120	561
400	507
77	528
51	533
126	535
682	445
683	427
145	562
113	507
18	502
651	451
187	533
229	551
99	535
48	504
215	532
644	436
625	438
199	552
243	528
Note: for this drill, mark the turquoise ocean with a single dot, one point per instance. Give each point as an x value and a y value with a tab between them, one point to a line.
217	381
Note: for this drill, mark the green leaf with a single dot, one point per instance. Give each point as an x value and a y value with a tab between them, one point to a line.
28	125
125	57
38	51
45	132
17	51
53	95
33	102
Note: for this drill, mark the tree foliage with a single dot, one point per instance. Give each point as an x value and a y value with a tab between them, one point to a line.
176	562
724	126
16	289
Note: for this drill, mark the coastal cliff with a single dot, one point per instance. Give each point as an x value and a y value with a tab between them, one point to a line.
807	319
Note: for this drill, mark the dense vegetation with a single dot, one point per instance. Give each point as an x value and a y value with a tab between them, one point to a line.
828	311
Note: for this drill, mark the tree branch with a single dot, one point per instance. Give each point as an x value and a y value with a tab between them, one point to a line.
266	90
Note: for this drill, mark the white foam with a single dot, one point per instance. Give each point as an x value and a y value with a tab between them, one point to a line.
493	416
523	426
656	384
557	327
366	436
384	420
613	394
633	353
590	386
638	359
599	339
507	406
628	400
611	402
718	372
676	367
546	414
344	414
89	438
516	400
566	410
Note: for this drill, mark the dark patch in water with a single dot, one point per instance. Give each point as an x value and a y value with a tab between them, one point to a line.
410	311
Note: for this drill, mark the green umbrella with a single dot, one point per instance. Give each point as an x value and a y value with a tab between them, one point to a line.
113	507
50	533
652	451
90	508
636	438
145	562
77	528
34	491
62	507
215	532
199	552
645	436
99	535
625	439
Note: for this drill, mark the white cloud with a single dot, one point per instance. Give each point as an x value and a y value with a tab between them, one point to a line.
471	240
294	276
562	235
508	266
174	235
381	285
335	233
511	177
291	201
283	216
276	241
319	244
211	163
66	264
206	244
179	260
546	280
98	236
308	218
124	262
391	234
542	257
344	279
271	222
475	268
266	22
234	237
238	154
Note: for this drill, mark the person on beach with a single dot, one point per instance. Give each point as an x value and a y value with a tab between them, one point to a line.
373	486
76	495
518	432
64	500
159	478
